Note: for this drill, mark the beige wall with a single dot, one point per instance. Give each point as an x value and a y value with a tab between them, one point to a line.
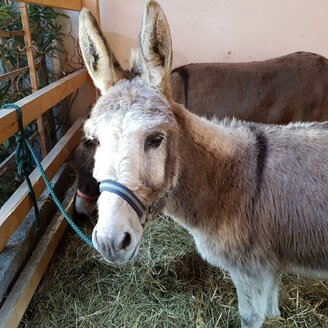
224	30
217	30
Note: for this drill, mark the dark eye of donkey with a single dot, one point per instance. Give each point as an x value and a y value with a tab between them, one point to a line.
153	141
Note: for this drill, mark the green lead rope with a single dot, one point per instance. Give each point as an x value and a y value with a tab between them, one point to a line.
24	152
23	161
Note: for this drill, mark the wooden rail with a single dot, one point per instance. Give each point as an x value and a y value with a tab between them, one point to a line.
76	5
14	73
9	34
18	205
62	4
39	102
15	305
32	69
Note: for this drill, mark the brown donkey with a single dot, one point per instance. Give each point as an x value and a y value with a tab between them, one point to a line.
280	90
253	196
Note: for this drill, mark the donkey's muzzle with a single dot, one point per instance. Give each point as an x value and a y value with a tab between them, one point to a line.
115	248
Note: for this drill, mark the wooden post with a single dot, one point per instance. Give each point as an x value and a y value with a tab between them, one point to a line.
32	69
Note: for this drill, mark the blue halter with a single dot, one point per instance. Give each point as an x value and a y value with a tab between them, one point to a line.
124	192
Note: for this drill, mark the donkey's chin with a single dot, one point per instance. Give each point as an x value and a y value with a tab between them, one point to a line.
122	259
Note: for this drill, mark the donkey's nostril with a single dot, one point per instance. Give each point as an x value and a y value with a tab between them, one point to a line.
126	241
111	246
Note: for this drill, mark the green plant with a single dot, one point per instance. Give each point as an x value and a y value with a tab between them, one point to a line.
48	40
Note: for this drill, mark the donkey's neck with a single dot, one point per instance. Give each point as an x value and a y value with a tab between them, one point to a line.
208	174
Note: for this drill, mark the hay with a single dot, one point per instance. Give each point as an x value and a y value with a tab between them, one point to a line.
167	286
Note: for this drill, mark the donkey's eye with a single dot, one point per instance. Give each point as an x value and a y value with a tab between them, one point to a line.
153	141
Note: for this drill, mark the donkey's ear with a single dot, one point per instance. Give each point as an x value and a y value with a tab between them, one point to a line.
99	59
155	46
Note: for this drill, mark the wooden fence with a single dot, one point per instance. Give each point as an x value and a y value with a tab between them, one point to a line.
19	204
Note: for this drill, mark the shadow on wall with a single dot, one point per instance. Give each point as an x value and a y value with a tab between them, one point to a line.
83	102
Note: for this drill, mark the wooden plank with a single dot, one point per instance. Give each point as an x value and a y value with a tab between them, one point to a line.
28	45
14	73
62	4
21	294
17	206
32	69
10	34
39	102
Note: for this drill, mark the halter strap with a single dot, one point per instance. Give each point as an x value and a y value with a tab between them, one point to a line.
124	192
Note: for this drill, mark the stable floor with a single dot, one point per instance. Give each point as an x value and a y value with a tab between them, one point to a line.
168	285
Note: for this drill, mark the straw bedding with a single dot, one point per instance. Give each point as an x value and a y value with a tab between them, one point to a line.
168	285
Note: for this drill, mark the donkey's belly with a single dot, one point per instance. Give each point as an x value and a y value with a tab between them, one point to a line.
211	249
307	272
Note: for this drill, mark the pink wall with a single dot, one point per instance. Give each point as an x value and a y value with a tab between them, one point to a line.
224	30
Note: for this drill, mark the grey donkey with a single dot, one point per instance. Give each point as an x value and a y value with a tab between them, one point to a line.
253	196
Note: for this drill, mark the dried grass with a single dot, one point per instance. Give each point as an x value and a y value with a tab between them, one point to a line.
168	286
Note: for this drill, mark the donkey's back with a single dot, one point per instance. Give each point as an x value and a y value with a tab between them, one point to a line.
279	90
285	188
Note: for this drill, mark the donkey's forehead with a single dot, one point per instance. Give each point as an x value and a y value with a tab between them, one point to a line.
127	96
130	104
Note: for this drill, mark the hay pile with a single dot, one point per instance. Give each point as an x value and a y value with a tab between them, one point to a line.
167	286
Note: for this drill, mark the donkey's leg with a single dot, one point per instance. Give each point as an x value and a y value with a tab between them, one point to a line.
253	295
273	299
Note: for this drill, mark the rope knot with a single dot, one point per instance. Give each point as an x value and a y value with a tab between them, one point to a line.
22	158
